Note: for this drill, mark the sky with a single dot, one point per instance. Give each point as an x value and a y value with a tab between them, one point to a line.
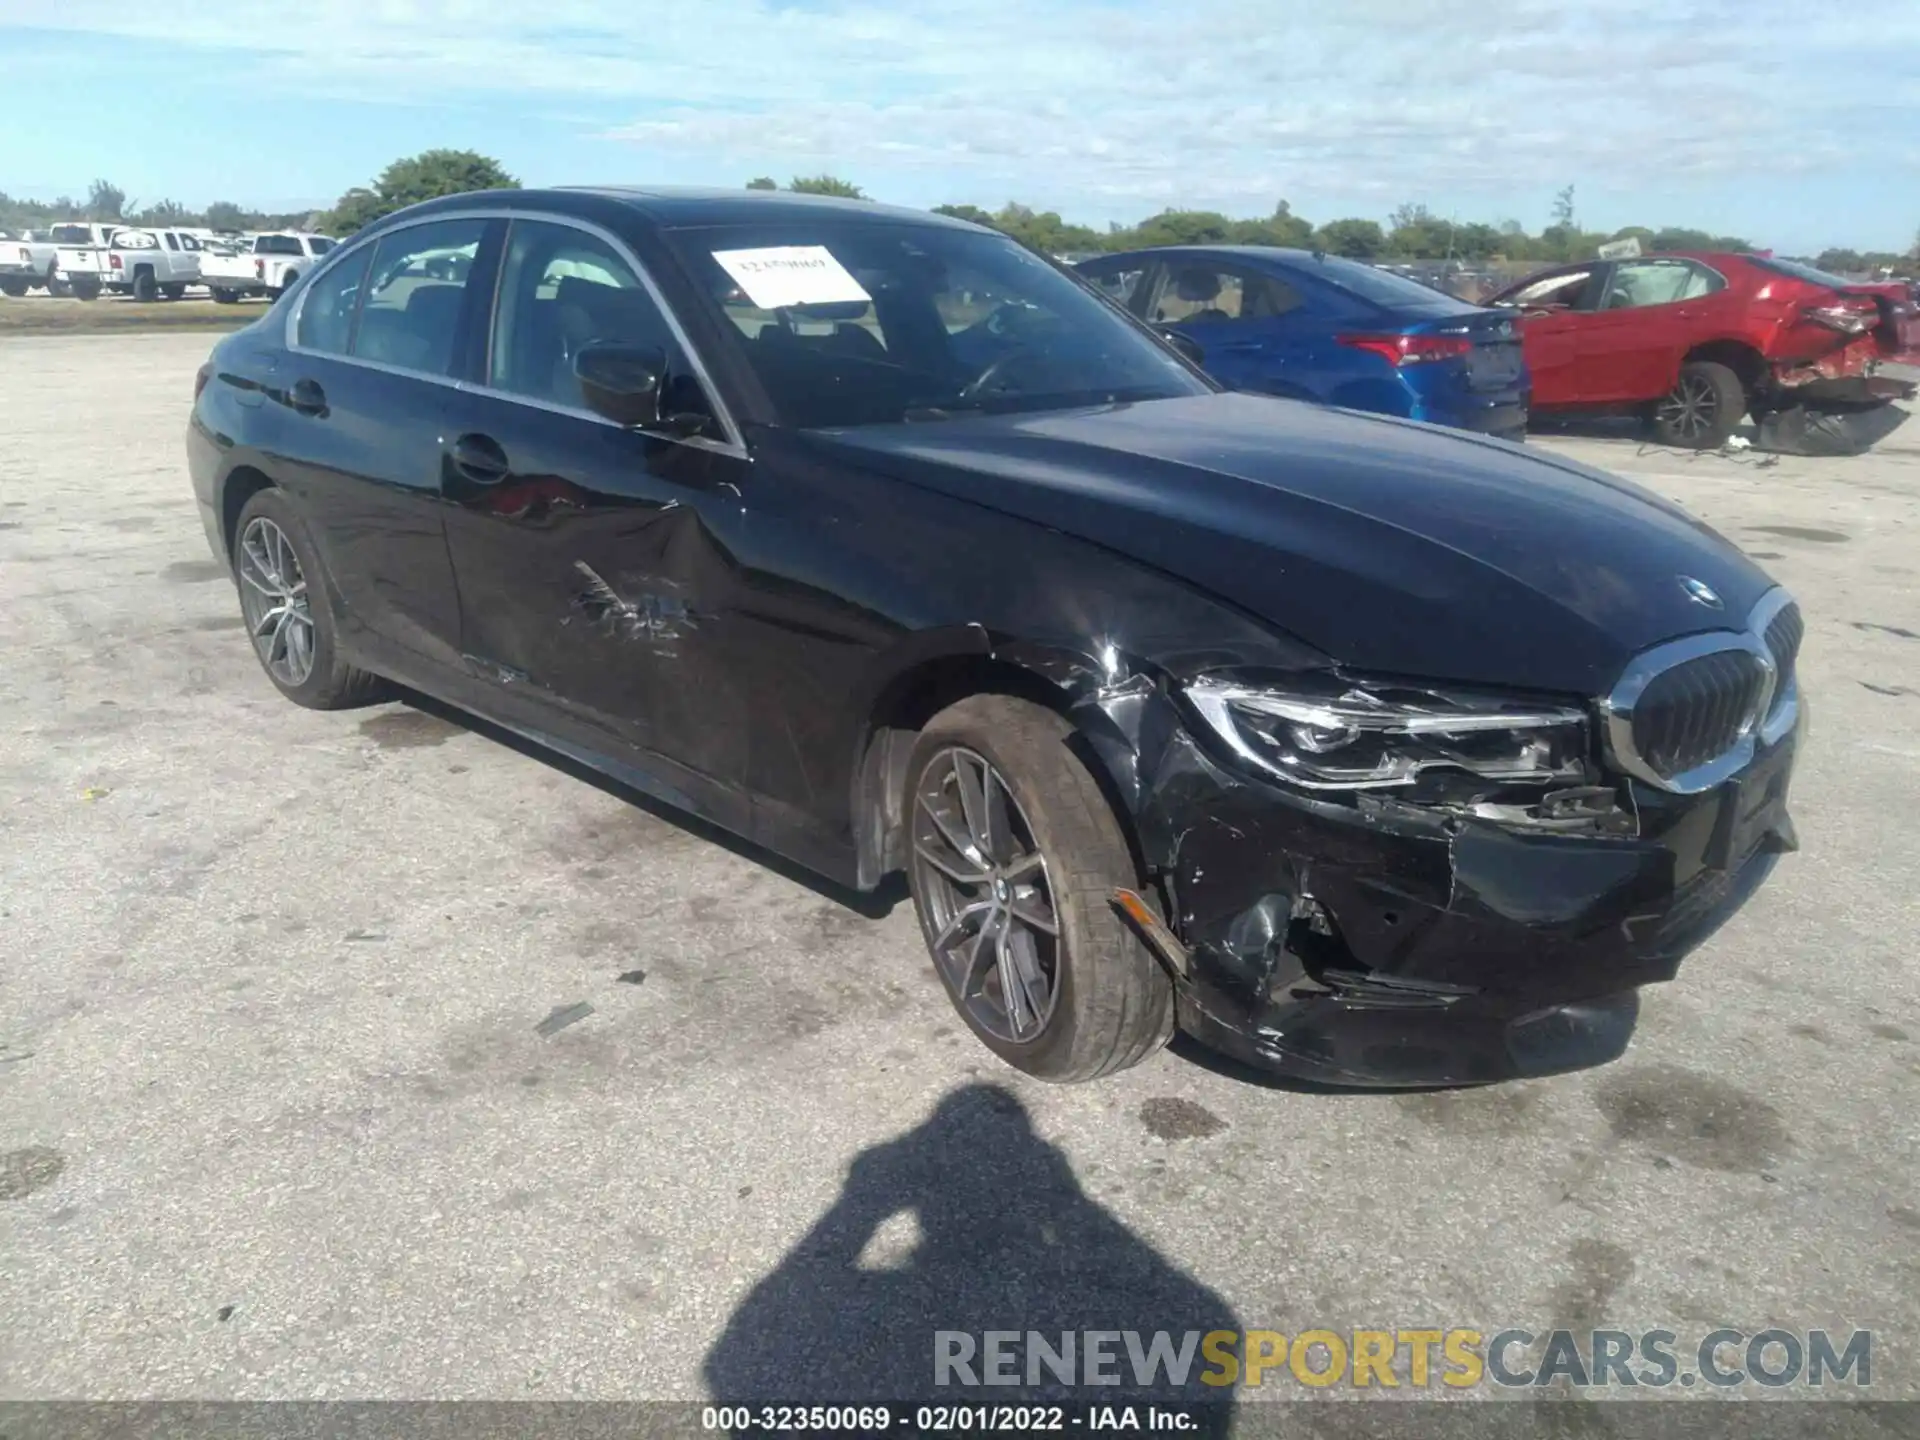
1791	124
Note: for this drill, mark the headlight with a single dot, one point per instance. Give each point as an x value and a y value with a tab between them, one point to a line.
1335	735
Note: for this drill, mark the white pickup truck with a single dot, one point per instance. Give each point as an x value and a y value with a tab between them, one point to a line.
143	262
270	265
26	261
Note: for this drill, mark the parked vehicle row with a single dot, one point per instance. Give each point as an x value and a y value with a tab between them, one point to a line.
1693	343
1367	750
88	259
265	267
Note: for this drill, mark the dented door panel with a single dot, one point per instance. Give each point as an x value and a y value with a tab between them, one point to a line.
593	573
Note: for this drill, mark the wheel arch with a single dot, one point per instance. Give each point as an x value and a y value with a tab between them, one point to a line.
1737	355
947	669
242	483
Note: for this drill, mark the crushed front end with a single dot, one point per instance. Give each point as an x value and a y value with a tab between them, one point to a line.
1402	885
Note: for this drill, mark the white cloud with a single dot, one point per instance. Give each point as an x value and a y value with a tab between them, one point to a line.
1103	106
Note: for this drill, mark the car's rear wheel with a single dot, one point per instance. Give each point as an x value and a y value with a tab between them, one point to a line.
1702	409
84	289
145	287
13	288
173	292
223	297
288	609
1015	856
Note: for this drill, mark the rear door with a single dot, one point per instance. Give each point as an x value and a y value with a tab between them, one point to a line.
362	404
1649	313
1254	329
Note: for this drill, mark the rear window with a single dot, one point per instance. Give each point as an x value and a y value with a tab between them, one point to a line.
1379	287
72	235
320	244
1798	271
276	245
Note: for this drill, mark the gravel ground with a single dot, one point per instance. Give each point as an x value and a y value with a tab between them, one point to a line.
277	1118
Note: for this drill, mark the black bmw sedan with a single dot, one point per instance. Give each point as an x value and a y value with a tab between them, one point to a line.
1370	751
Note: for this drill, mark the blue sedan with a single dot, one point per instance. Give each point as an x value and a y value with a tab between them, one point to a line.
1317	327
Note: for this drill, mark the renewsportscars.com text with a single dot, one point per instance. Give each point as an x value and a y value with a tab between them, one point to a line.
1457	1358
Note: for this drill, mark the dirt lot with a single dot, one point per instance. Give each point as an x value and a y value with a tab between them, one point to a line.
276	1120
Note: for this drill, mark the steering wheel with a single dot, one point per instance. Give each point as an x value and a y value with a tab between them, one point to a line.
982	382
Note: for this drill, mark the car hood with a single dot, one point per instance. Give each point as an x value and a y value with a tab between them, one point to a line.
1390	546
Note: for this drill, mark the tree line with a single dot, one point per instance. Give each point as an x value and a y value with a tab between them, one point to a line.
107	202
1411	232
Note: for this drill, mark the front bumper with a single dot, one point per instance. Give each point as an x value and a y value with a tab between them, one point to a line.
1393	947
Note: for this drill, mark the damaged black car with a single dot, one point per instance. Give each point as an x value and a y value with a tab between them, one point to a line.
1373	752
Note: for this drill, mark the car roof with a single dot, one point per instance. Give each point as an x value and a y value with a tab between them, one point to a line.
678	207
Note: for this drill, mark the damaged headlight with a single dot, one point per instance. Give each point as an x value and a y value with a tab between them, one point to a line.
1335	735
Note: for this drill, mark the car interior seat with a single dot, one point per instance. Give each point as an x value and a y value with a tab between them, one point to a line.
1196	286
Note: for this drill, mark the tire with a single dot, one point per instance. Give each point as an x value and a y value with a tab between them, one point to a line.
1702	409
328	682
174	291
286	283
85	289
145	288
13	289
224	297
1109	1004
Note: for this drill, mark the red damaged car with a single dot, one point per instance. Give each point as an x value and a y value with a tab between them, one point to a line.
1696	341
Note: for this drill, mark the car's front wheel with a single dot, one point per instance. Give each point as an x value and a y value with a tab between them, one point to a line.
1015	855
1702	409
288	609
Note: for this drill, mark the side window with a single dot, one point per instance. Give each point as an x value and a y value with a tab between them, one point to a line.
1264	297
1119	286
326	314
415	290
1639	283
1636	284
1194	294
172	242
560	290
1552	290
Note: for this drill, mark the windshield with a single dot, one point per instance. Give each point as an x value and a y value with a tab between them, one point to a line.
873	323
1799	271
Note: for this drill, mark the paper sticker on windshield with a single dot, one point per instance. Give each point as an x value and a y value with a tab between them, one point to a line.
785	275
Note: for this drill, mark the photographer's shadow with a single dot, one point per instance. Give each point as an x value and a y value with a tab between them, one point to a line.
1005	1240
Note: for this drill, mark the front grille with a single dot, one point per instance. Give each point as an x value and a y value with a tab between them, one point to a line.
1698	710
1784	633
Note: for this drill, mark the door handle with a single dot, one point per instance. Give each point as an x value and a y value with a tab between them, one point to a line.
307	398
479	458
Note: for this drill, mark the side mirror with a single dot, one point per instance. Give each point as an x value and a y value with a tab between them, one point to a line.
1185	345
622	382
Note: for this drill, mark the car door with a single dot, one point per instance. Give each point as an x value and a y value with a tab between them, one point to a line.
1553	309
1649	313
361	401
1239	317
592	559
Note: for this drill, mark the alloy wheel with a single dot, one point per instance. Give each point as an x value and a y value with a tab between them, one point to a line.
273	597
1691	408
995	933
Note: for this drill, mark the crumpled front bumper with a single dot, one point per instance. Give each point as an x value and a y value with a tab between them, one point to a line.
1397	947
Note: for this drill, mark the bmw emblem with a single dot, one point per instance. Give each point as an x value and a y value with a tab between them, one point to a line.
1701	593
